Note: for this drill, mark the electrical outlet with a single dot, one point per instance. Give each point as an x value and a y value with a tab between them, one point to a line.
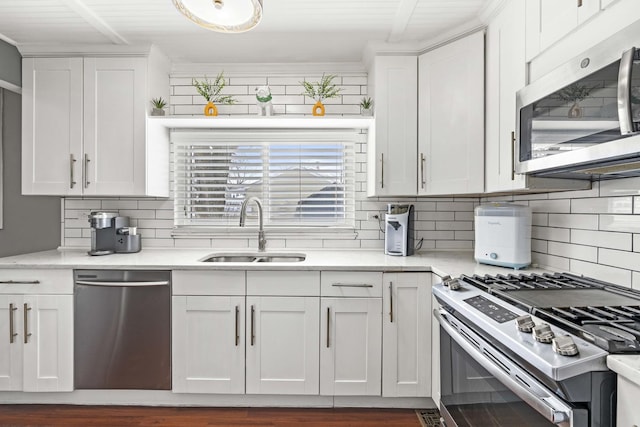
372	216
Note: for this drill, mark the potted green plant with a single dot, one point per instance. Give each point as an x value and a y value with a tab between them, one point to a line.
574	94
158	106
210	91
319	91
366	106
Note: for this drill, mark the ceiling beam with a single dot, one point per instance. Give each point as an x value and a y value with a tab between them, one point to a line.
401	20
8	40
95	21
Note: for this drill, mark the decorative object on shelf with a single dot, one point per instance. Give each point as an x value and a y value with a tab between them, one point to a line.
574	94
324	89
366	106
225	16
263	98
158	106
210	91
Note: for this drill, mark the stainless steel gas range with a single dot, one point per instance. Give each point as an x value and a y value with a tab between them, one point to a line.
530	350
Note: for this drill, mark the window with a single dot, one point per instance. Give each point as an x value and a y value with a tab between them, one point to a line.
303	178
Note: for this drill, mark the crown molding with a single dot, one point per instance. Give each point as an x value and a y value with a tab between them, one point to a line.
491	9
10	86
62	50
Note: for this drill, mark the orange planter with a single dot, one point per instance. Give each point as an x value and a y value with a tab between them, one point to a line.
318	109
210	109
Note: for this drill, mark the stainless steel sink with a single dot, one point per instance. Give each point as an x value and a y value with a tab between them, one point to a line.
254	257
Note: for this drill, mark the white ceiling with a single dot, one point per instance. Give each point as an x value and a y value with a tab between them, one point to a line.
290	31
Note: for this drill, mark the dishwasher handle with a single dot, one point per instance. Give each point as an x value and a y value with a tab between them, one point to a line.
106	283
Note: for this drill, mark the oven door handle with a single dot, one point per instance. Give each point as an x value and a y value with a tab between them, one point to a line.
533	393
106	283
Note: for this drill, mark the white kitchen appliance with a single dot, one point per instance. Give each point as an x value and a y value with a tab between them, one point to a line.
503	235
398	235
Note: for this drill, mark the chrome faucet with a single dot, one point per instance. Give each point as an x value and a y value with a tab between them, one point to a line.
262	242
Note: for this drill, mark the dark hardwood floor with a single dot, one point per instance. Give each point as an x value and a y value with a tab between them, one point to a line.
117	416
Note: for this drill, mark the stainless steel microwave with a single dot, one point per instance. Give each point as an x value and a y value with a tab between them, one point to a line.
582	120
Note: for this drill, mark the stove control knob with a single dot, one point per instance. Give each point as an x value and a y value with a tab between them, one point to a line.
543	333
453	284
525	323
564	345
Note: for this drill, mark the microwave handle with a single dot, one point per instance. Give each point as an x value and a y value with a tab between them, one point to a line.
534	394
624	92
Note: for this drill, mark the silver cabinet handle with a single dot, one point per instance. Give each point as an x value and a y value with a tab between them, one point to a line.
513	155
352	285
12	334
101	283
391	302
253	317
423	160
382	170
27	334
624	92
237	325
85	171
72	162
19	282
328	324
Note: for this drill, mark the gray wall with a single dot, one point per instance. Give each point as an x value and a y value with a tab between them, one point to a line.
10	60
31	223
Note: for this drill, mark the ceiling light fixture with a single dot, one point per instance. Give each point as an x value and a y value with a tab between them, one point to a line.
225	16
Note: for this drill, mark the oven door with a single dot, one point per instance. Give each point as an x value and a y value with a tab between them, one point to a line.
480	386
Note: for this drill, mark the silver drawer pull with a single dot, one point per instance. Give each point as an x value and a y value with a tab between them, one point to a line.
100	283
19	282
352	285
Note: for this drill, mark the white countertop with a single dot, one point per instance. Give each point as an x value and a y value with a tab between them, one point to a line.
440	262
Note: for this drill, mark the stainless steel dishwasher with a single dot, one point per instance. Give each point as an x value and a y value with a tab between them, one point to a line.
122	329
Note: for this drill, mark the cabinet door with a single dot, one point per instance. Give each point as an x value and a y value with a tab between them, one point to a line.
114	126
282	345
51	126
48	345
435	348
11	339
391	162
208	344
557	18
628	398
451	118
505	76
351	346
406	335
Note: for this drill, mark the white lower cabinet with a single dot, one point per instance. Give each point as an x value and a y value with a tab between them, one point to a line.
282	345
406	330
36	349
435	348
208	344
627	405
351	346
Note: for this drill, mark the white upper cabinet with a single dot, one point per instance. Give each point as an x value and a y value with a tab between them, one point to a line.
84	127
52	125
548	21
451	118
391	160
505	76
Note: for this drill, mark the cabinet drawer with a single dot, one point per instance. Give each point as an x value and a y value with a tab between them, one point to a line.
286	283
351	284
36	281
208	282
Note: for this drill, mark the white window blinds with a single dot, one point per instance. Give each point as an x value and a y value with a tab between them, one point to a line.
303	178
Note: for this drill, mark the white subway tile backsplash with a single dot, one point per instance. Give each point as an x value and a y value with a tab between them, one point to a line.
581	221
550	206
613	205
620	187
601	272
567	250
622	259
625	223
602	239
550	233
541	219
546	260
635	280
539	245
